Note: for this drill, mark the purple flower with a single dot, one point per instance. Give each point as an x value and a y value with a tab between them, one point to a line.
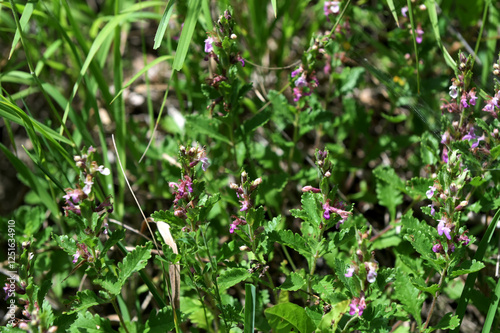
301	82
445	155
357	306
453	91
309	188
209	44
331	7
404	11
464	239
443	228
88	185
349	272
438	248
472	96
371	275
430	192
475	144
297	94
297	72
470	135
433	210
463	100
420	34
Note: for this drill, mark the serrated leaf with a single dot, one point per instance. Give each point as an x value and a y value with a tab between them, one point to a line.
134	261
408	295
66	243
162	321
388	175
467	267
389	197
294	241
285	317
114	238
232	276
478	181
448	322
169	217
418	186
293	282
86	299
86	322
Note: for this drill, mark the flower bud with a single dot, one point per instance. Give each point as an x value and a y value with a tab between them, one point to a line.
328	174
496	72
233	186
233	36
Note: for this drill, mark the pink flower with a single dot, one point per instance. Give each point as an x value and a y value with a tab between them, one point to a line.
472	96
430	192
311	189
349	272
209	44
443	228
438	248
357	306
404	11
420	34
331	7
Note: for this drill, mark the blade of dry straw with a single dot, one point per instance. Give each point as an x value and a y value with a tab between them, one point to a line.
174	270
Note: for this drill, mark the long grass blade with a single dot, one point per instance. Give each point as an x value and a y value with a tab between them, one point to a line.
431	9
194	8
23	21
390	3
250	301
492	310
162	27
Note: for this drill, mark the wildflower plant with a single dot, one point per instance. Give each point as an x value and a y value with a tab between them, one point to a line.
318	169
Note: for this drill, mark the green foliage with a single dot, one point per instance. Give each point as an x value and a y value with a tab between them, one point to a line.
336	163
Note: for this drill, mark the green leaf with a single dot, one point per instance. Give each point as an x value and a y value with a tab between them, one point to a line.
408	295
431	9
293	282
292	240
448	322
210	127
162	321
134	261
162	27
86	322
193	11
250	302
231	277
388	175
67	243
86	299
256	121
114	238
310	211
25	17
168	217
467	267
389	197
331	319
273	3
390	3
285	317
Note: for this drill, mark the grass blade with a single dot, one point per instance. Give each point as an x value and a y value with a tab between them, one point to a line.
27	12
273	3
162	27
390	3
194	8
250	300
431	9
490	317
141	72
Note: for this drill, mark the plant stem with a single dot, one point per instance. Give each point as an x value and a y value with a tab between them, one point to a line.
441	280
122	322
